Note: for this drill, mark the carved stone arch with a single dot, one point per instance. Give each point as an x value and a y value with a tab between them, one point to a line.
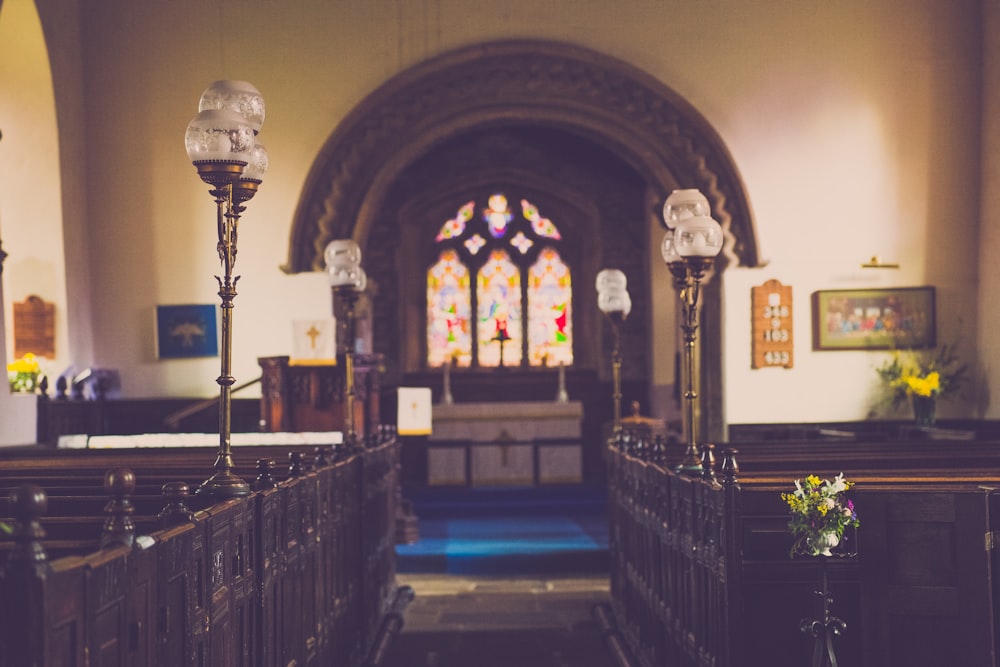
511	83
523	84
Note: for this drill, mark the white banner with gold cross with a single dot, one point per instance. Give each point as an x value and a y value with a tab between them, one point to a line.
314	341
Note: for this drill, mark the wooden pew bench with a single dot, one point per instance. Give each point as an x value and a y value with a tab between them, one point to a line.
78	494
301	572
701	571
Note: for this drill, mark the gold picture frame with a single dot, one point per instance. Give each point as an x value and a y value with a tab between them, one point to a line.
874	319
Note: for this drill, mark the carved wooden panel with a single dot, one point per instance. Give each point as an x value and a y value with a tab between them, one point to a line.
932	581
107	581
177	595
269	564
312	397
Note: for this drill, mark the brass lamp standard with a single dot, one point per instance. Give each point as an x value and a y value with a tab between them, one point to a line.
347	280
614	301
221	144
689	249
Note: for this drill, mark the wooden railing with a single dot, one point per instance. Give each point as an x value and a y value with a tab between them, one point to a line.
300	572
672	545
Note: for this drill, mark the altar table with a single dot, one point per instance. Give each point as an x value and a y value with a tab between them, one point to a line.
505	443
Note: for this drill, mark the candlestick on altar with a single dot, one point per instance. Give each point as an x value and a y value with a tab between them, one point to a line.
446	396
561	395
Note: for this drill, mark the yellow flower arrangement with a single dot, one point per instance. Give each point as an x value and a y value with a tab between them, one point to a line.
23	374
909	373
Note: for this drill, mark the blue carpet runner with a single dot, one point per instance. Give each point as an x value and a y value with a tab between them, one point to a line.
482	531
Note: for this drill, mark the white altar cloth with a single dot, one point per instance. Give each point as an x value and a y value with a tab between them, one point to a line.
505	443
521	421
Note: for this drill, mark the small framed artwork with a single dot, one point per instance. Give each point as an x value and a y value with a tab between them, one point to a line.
186	331
874	319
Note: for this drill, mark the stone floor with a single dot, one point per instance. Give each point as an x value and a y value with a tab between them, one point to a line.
456	621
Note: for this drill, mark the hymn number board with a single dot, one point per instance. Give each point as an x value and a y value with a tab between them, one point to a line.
771	325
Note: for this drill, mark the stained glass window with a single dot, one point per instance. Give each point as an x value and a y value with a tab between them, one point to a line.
456	226
448	309
497	215
475	243
498	293
523	293
550	322
541	226
522	242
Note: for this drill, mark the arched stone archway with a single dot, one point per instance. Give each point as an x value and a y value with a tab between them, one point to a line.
517	84
511	83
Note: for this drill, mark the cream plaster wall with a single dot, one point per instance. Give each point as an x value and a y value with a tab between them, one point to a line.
989	248
855	126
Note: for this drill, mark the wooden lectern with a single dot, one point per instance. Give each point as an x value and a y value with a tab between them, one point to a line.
312	396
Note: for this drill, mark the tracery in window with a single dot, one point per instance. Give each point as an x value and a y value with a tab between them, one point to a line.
456	226
522	301
541	226
522	242
497	215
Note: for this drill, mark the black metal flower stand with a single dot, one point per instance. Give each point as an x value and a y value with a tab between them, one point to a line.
826	627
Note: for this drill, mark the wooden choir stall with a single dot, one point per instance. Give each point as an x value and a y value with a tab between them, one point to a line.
114	560
701	571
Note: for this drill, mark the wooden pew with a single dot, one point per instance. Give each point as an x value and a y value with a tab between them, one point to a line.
701	572
300	572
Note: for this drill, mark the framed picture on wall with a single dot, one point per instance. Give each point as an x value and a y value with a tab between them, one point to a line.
186	331
874	319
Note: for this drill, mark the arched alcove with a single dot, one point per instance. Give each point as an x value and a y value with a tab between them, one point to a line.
511	85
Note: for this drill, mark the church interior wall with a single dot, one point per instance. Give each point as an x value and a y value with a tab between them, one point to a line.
855	127
989	246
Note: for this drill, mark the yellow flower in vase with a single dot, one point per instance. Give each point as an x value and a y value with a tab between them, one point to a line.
919	379
929	385
23	374
820	512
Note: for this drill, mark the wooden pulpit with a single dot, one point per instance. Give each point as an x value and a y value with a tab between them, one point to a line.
313	396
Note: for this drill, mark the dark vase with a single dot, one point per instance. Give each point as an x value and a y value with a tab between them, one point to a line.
923	409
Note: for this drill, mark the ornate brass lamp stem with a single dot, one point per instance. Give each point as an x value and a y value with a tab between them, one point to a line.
225	483
689	283
221	142
349	295
616	318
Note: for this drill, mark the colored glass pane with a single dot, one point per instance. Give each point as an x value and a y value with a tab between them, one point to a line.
550	321
498	293
497	215
521	242
449	308
474	244
541	226
456	226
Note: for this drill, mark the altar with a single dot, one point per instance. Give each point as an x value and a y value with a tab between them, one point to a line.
516	443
